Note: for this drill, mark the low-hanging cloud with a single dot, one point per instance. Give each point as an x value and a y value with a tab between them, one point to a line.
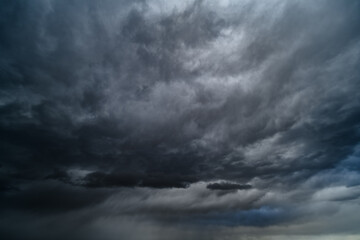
229	114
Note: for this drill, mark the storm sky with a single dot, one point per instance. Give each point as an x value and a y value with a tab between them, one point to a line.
188	119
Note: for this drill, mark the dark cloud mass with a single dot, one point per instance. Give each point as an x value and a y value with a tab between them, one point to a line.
179	119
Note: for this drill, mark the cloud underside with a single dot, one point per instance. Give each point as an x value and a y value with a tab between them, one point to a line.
179	116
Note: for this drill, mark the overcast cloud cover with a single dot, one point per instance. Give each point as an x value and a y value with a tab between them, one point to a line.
159	119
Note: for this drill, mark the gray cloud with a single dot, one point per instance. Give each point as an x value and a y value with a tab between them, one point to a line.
142	108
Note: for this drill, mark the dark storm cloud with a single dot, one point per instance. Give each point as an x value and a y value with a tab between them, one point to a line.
99	179
50	197
103	89
228	186
164	98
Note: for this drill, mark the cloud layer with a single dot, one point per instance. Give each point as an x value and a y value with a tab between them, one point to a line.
179	117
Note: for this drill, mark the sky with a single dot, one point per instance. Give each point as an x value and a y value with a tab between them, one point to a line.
164	119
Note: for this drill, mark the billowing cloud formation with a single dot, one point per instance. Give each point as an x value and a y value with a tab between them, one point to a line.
154	114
